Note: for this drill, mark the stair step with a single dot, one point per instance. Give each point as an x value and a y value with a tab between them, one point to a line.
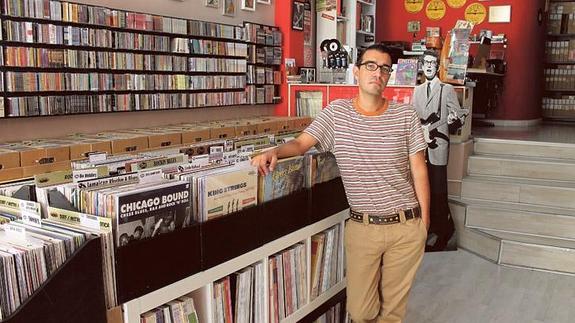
473	240
533	223
532	167
516	206
524	148
530	239
537	256
513	249
519	190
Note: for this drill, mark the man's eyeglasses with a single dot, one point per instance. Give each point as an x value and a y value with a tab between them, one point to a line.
430	62
372	67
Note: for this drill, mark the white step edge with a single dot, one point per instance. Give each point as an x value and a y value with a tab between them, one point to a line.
524	142
537	192
521	148
514	206
528	238
472	240
495	221
507	247
531	168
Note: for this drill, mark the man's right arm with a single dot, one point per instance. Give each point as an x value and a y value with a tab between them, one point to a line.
266	161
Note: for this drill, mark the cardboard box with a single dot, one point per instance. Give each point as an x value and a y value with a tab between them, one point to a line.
79	150
123	145
246	130
10	174
268	127
223	133
9	159
122	142
191	135
301	123
30	171
285	125
164	140
39	154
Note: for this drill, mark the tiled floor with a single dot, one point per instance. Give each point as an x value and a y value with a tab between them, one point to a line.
459	287
560	133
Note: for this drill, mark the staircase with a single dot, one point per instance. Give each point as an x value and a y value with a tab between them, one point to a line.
517	204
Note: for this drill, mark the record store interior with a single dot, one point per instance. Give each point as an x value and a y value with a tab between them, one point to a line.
267	161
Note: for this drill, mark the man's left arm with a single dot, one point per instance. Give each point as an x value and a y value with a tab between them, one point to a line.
456	114
421	183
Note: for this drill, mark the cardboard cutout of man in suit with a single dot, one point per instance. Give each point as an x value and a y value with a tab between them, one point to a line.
440	113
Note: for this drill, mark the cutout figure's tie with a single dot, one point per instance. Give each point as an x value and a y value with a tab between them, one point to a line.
428	89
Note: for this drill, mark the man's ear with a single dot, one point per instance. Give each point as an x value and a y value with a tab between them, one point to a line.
356	72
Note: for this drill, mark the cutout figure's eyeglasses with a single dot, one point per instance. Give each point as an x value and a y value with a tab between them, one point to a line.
372	67
429	62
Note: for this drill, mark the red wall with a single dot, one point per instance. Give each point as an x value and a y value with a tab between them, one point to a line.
292	46
521	98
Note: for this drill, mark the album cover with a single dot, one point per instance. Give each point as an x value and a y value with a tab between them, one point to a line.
287	177
147	213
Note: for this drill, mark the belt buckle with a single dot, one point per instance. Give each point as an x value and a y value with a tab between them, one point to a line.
365	218
402	218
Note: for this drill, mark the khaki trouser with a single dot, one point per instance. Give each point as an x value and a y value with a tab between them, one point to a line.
381	262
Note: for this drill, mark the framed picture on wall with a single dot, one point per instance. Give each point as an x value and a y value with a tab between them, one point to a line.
297	15
265	1
229	8
249	5
308	74
213	3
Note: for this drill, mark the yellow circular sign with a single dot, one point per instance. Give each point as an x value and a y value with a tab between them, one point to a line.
413	6
456	3
475	13
435	10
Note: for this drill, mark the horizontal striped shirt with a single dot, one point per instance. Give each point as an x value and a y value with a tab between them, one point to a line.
372	152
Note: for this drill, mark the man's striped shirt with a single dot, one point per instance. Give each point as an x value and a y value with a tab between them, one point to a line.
372	152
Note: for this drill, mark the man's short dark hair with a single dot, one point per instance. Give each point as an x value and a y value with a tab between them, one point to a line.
377	47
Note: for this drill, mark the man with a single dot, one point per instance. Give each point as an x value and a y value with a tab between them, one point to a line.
376	143
438	108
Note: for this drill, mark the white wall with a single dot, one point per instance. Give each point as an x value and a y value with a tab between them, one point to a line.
13	129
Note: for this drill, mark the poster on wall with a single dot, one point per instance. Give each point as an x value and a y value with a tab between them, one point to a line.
213	3
307	32
308	56
249	5
435	9
325	5
475	13
297	15
229	8
307	36
456	3
413	6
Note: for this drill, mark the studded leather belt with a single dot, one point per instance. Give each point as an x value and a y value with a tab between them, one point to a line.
388	219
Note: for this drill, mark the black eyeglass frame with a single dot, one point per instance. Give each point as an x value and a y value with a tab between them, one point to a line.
380	67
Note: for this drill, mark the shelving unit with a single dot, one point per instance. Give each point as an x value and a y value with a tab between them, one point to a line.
559	98
352	23
398	93
122	60
134	308
264	63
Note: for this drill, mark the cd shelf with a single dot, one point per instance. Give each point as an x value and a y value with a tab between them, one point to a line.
173	56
